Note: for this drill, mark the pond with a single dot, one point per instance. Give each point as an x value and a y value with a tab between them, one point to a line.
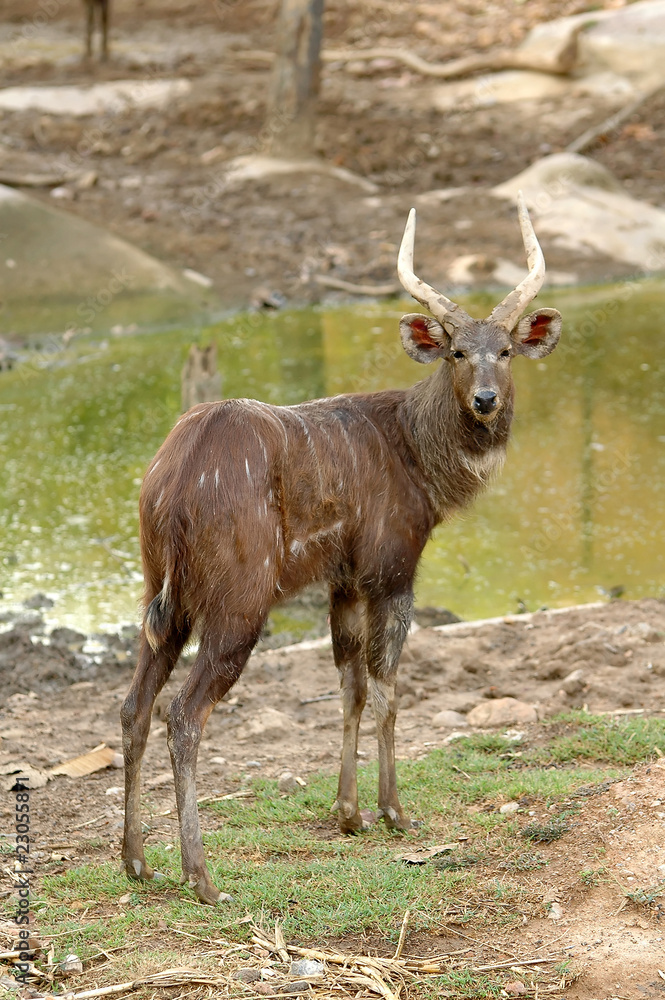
579	508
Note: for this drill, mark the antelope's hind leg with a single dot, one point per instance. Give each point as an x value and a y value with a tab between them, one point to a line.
223	653
152	671
347	627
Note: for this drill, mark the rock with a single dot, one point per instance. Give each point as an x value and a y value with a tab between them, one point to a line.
555	912
574	682
267	723
299	986
509	808
248	975
86	180
69	638
288	783
71	965
307	967
630	41
61	256
449	720
264	297
647	632
430	617
38	601
516	988
502	712
463	701
580	205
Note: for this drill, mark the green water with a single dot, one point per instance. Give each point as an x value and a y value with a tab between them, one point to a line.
579	507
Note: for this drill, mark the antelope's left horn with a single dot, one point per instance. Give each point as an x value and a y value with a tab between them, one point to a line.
508	312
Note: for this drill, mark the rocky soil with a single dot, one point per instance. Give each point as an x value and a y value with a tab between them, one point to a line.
284	715
63	690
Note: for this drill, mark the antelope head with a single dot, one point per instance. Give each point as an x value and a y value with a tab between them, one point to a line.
479	351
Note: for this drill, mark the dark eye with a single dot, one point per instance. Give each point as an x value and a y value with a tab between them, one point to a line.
458	354
505	354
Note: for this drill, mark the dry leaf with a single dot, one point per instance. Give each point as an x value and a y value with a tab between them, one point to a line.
640	131
424	854
34	777
96	760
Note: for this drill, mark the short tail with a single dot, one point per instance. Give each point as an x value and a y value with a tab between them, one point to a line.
159	617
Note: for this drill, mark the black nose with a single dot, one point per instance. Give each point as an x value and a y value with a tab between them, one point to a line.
484	401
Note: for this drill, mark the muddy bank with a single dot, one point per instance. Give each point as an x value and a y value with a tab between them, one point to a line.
66	688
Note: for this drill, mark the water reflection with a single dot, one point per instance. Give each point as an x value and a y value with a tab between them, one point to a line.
578	508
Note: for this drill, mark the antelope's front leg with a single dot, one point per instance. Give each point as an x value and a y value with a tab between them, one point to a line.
388	625
347	629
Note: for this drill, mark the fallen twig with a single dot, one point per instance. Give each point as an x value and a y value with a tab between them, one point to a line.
402	934
322	697
392	288
561	61
610	124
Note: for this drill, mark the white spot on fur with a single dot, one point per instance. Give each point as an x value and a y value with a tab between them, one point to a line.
217	478
202	480
483	466
266	562
150	471
249	475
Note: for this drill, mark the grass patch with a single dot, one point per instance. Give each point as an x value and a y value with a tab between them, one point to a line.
281	858
545	833
618	740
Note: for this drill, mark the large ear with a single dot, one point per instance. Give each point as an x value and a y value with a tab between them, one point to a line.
423	338
537	334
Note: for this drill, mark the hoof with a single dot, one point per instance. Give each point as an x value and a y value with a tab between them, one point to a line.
139	871
358	823
396	821
205	890
351	820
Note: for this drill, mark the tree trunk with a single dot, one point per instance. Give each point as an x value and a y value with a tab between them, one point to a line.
200	380
295	82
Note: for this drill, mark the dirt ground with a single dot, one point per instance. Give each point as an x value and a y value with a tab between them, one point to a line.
157	185
284	714
158	175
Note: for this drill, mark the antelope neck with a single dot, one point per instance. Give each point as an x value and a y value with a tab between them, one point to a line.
456	453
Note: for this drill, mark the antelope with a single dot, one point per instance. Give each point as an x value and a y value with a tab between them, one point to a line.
103	7
245	503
